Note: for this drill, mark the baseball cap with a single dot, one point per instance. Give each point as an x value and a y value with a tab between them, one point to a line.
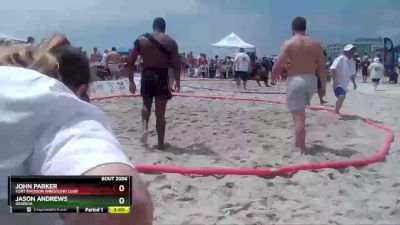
348	47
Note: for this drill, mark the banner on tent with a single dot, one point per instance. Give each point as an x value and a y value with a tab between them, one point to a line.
112	87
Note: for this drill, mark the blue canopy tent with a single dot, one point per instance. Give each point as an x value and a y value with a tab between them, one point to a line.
123	51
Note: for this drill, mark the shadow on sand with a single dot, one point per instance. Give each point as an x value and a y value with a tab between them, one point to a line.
356	117
194	149
319	149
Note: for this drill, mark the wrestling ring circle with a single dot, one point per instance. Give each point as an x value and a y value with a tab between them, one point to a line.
268	172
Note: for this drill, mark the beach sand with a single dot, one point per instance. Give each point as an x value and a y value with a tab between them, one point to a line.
225	133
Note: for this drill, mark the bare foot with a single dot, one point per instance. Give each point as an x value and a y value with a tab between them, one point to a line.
299	150
163	146
144	138
323	102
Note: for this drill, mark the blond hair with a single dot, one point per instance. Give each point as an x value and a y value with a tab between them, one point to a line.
38	58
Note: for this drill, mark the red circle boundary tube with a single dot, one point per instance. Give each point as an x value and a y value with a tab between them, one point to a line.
284	170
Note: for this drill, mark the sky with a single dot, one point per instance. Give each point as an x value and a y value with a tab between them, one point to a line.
196	24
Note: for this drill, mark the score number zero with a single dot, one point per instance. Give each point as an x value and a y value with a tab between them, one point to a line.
121	187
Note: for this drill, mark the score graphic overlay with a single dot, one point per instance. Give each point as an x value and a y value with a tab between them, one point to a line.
70	194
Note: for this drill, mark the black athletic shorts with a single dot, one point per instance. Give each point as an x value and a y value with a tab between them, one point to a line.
376	81
243	75
155	84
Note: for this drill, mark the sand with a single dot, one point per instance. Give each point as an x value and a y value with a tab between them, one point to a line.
215	133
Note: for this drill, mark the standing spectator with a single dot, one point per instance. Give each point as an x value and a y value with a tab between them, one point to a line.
202	64
104	59
190	63
241	67
364	68
95	57
375	71
271	67
112	62
184	66
30	40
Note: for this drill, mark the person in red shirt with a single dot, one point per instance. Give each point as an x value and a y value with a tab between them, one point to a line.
190	63
202	63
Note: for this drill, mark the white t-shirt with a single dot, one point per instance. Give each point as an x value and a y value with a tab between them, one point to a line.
103	61
345	68
46	130
376	70
242	62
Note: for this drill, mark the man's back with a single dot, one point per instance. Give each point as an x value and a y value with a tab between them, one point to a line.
376	70
113	57
242	62
151	54
303	53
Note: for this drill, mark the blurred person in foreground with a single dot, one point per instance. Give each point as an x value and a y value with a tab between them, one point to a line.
46	129
305	55
159	53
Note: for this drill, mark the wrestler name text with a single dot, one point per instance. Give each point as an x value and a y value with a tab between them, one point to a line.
36	186
41	198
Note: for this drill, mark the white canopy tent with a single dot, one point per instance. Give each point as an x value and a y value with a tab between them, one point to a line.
4	36
233	41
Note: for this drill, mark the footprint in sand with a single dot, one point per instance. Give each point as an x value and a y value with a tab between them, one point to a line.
230	185
235	157
165	187
190	194
241	207
160	178
247	131
267	147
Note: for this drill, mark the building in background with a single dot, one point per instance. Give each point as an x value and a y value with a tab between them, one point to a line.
333	50
371	46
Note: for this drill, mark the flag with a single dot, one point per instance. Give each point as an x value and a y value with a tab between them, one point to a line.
388	57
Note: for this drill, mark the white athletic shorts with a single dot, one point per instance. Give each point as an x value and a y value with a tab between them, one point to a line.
300	90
